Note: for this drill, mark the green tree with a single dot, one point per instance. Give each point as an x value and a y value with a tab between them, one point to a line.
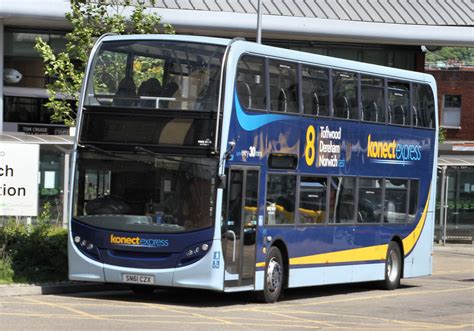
89	19
459	54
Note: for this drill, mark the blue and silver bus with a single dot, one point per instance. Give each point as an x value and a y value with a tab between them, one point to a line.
234	166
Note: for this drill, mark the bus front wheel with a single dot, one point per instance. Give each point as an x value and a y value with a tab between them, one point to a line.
274	276
393	267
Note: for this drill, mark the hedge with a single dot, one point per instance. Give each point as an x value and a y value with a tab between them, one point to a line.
33	253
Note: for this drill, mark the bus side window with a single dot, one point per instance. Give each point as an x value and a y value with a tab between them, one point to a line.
283	87
423	106
396	194
251	82
344	87
280	205
315	91
413	198
373	100
342	200
398	103
312	205
370	200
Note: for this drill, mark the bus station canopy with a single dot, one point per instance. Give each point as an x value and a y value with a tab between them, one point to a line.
455	160
22	138
401	22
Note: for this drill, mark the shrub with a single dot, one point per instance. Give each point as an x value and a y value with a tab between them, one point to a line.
37	253
6	270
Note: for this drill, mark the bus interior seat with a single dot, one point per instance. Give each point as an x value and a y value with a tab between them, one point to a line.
315	104
150	88
286	203
282	101
245	94
126	93
341	107
346	212
292	93
415	116
370	111
169	90
398	116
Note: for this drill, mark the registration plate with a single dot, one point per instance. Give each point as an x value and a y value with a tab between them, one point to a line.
138	279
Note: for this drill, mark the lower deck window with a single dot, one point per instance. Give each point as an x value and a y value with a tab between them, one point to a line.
370	200
280	205
312	205
342	200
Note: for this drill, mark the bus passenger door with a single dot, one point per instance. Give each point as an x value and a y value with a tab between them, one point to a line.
240	226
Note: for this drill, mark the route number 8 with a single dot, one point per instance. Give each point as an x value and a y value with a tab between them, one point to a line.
310	149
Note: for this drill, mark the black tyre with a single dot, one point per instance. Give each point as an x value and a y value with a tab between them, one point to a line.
274	276
142	289
393	267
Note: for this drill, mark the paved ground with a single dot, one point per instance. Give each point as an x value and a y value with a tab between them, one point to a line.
443	301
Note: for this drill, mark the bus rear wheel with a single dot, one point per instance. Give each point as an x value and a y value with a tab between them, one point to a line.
393	267
274	276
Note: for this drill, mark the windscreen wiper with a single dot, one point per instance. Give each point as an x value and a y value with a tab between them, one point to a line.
97	149
157	155
167	158
109	153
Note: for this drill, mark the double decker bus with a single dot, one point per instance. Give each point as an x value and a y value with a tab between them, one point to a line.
234	166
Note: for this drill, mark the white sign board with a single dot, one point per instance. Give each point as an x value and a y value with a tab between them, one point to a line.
19	166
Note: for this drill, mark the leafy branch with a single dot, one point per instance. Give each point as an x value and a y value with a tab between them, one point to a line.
89	20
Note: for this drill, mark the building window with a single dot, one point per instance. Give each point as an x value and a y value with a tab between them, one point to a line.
451	111
21	55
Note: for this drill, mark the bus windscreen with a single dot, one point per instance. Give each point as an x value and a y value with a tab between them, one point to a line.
155	74
144	192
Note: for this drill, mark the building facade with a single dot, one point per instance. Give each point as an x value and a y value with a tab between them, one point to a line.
455	192
385	33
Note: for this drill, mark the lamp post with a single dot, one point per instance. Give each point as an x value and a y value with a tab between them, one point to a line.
259	22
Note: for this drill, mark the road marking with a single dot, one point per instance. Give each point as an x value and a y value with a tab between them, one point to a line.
77	311
293	317
390	321
161	307
462	271
372	297
73	316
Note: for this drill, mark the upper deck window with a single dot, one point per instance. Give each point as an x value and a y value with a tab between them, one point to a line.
251	82
315	91
373	99
283	87
156	74
345	94
423	106
398	103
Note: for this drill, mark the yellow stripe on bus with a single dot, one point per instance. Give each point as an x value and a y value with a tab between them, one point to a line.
370	253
